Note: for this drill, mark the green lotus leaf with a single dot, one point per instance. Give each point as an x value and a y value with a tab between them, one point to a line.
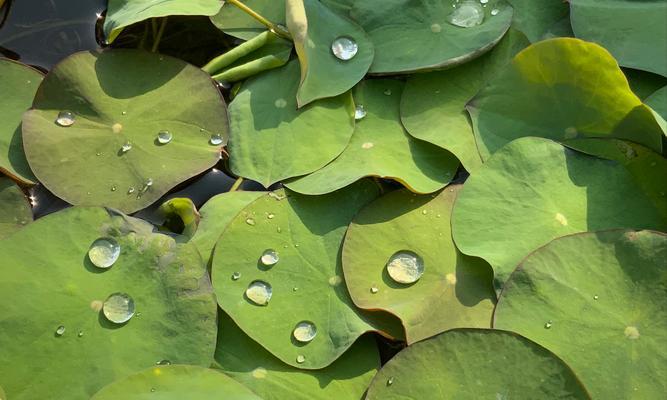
455	291
180	212
534	190
122	13
302	236
235	22
644	83
433	104
15	210
536	18
414	36
658	101
633	31
119	97
216	214
561	89
249	363
18	86
381	147
58	320
597	299
176	382
271	140
472	364
315	29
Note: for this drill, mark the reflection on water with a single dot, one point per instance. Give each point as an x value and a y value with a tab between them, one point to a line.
43	32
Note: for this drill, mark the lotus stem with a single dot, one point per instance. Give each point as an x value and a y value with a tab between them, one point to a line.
160	32
275	28
236	184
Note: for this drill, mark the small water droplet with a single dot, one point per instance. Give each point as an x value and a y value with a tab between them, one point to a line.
269	257
367	145
65	118
164	137
60	330
359	112
149	182
279	229
335	280
374	289
99	153
259	292
596	297
300	359
104	252
548	324
113	188
250	221
436	28
495	11
424	212
387	92
118	308
130	190
124	113
236	276
467	15
344	48
152	390
216	139
390	381
631	332
304	331
483	1
277	196
280	103
127	146
163	362
295	289
270	216
405	267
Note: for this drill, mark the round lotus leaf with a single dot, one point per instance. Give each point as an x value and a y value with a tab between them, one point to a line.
15	211
302	281
413	36
658	101
271	140
536	18
176	382
455	290
18	86
534	190
249	363
235	22
117	98
56	339
597	299
561	89
633	31
122	13
433	104
216	214
381	147
318	33
472	364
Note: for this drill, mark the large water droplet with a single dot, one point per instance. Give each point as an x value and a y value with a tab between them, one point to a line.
405	267
65	118
118	308
104	252
344	48
359	112
60	330
269	257
304	331
127	146
259	292
467	15
216	139
164	137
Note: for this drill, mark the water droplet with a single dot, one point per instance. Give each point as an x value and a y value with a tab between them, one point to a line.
60	330
269	257
596	297
467	15
163	362
99	153
65	118
390	381
424	212
277	196
279	229
300	359
164	137
495	11
548	324
124	112
436	28
359	112
104	252
387	92
259	373
270	216
295	289
335	280
367	145
152	390
374	289
305	331
280	103
80	334
250	221
344	48
126	147
130	190
117	128
118	308
236	276
631	332
113	188
259	292
216	139
483	1
405	267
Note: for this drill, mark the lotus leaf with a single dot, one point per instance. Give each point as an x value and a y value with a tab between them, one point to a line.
561	89
120	98
233	21
658	101
414	36
18	86
472	364
271	140
381	147
306	283
537	18
56	321
249	363
597	299
534	190
644	83
455	291
15	210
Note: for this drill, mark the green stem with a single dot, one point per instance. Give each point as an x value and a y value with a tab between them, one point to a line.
275	28
160	32
236	184
142	42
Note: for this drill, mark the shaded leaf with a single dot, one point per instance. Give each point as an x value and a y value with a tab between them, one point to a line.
235	22
658	101
537	18
15	210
